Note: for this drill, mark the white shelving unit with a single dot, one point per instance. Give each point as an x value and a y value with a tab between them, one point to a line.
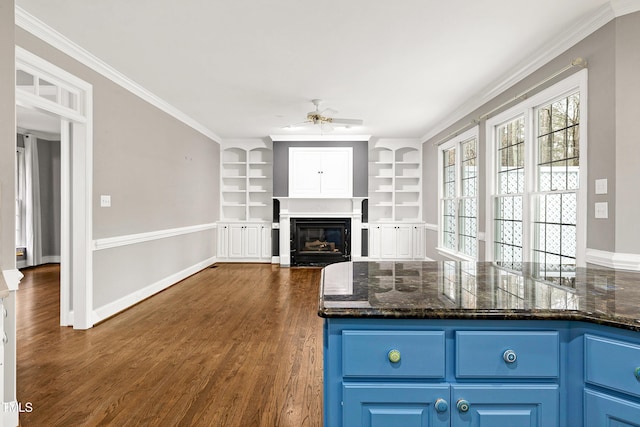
246	187
396	230
395	183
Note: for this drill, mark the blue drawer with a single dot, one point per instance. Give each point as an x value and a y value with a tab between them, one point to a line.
506	354
612	364
370	354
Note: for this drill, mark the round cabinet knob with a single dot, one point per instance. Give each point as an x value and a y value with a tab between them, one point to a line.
394	356
509	356
636	372
441	405
462	405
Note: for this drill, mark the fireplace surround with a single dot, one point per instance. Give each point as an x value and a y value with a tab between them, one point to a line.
320	241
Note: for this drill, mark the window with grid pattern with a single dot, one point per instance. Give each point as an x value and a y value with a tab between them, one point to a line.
459	193
537	206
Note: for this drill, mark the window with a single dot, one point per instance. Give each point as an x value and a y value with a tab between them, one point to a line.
458	196
537	205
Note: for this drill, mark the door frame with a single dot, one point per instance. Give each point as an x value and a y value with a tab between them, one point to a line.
76	254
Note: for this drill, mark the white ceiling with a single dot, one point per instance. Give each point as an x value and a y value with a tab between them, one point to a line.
248	68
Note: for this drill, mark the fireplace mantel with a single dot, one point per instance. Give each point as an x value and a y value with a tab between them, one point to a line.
319	208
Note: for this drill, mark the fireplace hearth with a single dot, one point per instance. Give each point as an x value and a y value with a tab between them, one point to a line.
320	241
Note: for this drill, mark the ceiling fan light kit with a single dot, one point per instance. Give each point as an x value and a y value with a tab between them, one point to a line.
318	117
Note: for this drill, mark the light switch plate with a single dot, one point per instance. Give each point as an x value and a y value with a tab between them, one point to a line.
601	186
602	210
105	201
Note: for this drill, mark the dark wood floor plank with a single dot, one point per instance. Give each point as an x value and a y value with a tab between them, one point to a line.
234	345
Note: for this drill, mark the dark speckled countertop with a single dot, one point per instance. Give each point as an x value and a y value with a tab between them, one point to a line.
483	290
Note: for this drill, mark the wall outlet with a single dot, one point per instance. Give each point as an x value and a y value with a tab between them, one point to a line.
105	201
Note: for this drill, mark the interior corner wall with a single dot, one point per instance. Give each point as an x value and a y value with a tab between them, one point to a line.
161	175
599	50
626	206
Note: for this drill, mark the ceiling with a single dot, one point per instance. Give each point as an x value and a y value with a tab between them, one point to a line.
248	68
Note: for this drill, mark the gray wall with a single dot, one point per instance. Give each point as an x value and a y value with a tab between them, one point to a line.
627	160
160	174
281	164
613	90
7	135
7	183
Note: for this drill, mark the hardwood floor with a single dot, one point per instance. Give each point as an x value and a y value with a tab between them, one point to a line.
235	345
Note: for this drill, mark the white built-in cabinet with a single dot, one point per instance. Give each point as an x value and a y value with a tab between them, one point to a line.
396	241
244	242
320	172
246	188
396	230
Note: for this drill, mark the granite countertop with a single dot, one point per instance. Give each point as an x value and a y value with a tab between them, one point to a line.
482	290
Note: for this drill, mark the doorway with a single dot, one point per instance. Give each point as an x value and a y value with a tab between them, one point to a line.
52	94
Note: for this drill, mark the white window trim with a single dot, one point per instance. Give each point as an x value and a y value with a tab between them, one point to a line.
577	81
455	142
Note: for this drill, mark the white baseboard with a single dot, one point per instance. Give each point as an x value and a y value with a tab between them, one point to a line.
618	261
108	310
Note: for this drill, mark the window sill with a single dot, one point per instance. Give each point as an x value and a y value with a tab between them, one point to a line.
455	256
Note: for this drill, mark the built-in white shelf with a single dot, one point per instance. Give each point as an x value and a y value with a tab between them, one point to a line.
395	175
246	187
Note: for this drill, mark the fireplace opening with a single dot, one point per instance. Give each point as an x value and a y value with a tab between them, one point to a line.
320	241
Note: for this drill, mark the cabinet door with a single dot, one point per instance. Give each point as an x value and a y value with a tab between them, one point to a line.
505	405
320	172
394	405
252	248
388	242
265	242
336	174
223	241
235	241
418	242
604	410
404	242
304	173
374	241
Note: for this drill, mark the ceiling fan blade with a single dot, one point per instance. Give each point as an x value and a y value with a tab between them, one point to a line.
325	127
354	122
299	124
328	111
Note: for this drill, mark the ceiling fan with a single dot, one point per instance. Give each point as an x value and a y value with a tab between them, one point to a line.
324	120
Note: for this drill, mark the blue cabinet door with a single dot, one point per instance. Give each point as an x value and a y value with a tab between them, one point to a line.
601	410
395	405
525	405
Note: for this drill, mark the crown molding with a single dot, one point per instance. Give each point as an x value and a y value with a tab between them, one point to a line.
568	38
624	7
341	138
33	25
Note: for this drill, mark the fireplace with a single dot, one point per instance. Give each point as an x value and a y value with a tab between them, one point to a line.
320	241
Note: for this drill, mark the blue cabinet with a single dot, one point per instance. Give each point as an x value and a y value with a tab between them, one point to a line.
605	410
395	405
505	405
439	372
612	377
